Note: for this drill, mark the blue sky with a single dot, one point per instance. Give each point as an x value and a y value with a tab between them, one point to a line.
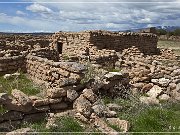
78	15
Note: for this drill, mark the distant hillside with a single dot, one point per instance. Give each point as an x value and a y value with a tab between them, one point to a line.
35	33
168	28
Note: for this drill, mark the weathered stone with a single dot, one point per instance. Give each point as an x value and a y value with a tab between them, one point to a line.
121	124
113	76
89	94
44	108
9	125
147	87
149	100
59	106
175	95
114	107
12	115
102	111
20	102
22	131
164	97
72	95
83	106
67	82
21	98
81	117
154	91
34	117
4	98
56	92
103	127
138	85
41	102
172	86
55	100
164	82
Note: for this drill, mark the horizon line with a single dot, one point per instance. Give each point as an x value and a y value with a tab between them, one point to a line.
88	2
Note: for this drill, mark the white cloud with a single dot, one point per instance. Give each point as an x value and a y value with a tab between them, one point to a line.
110	16
37	8
18	12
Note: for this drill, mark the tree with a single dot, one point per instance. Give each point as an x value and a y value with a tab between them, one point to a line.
161	32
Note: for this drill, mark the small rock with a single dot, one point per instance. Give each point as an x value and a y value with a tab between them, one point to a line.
103	127
149	100
122	124
89	94
72	95
114	107
164	97
22	131
83	106
147	87
164	82
154	91
7	76
56	92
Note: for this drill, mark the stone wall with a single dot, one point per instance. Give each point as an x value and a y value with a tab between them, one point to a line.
102	45
54	74
12	64
45	53
25	39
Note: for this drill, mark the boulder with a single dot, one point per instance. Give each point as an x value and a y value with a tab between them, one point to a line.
103	127
154	91
20	102
83	106
72	95
164	82
4	98
102	111
164	97
89	94
121	124
56	92
147	87
113	76
149	100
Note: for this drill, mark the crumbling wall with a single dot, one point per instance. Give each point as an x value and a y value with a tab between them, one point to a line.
11	64
54	74
45	53
101	46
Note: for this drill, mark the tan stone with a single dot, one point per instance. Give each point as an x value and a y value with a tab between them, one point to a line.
89	94
83	106
56	92
122	124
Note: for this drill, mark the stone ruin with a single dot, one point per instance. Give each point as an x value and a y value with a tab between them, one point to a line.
101	46
135	54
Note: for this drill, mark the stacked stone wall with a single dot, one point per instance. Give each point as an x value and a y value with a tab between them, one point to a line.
103	45
12	64
55	74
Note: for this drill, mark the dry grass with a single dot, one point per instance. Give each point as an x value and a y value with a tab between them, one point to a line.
174	45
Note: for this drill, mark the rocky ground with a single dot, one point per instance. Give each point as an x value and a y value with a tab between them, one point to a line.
139	84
